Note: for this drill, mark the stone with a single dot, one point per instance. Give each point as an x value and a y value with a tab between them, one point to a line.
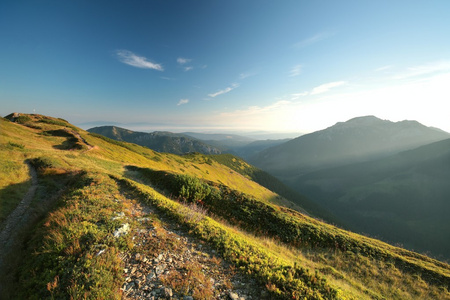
122	230
233	296
188	298
166	292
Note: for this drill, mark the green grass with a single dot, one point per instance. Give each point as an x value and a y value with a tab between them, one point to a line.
293	255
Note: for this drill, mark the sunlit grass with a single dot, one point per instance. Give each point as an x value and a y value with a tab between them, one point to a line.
63	257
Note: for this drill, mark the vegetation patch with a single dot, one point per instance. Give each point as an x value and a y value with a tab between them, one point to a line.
74	253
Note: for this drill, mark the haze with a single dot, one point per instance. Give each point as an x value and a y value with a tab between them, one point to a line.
279	66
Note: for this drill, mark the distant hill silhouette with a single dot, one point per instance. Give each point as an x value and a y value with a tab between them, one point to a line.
161	141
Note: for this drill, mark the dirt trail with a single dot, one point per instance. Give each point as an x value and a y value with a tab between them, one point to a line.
15	222
19	214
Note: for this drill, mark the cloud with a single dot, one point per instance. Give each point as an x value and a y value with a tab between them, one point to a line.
427	69
224	91
312	40
296	70
182	60
129	58
323	88
298	95
383	68
188	68
246	75
183	101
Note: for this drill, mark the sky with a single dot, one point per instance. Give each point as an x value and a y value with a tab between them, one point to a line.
236	65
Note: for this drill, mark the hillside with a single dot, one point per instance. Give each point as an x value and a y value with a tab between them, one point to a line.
402	198
105	219
359	139
241	146
160	141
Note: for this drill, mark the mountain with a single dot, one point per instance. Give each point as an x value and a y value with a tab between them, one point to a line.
403	198
242	146
83	216
250	150
160	141
359	139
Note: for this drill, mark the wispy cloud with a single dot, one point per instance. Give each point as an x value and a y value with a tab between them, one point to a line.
183	101
296	70
427	69
323	88
182	60
224	91
313	39
246	75
298	95
132	59
188	68
383	68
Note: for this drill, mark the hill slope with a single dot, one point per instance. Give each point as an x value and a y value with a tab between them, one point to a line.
119	218
402	198
160	141
359	139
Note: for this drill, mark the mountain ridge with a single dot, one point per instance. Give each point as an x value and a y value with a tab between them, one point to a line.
120	213
358	139
161	141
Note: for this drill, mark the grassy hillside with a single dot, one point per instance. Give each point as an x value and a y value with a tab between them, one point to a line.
102	197
402	198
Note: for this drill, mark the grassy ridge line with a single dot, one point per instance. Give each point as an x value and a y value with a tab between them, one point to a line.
290	226
283	280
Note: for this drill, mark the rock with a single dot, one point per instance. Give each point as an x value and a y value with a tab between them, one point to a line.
159	269
123	230
166	292
151	275
188	298
233	296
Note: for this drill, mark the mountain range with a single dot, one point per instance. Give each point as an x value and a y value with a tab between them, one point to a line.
161	141
378	177
359	139
86	216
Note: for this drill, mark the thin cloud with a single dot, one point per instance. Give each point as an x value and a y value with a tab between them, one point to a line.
427	69
188	68
182	60
224	91
383	68
183	101
246	75
129	58
296	70
312	40
298	95
323	88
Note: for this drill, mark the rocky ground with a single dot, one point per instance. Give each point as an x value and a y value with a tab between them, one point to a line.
169	264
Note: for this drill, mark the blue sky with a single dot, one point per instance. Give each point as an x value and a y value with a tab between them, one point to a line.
281	66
